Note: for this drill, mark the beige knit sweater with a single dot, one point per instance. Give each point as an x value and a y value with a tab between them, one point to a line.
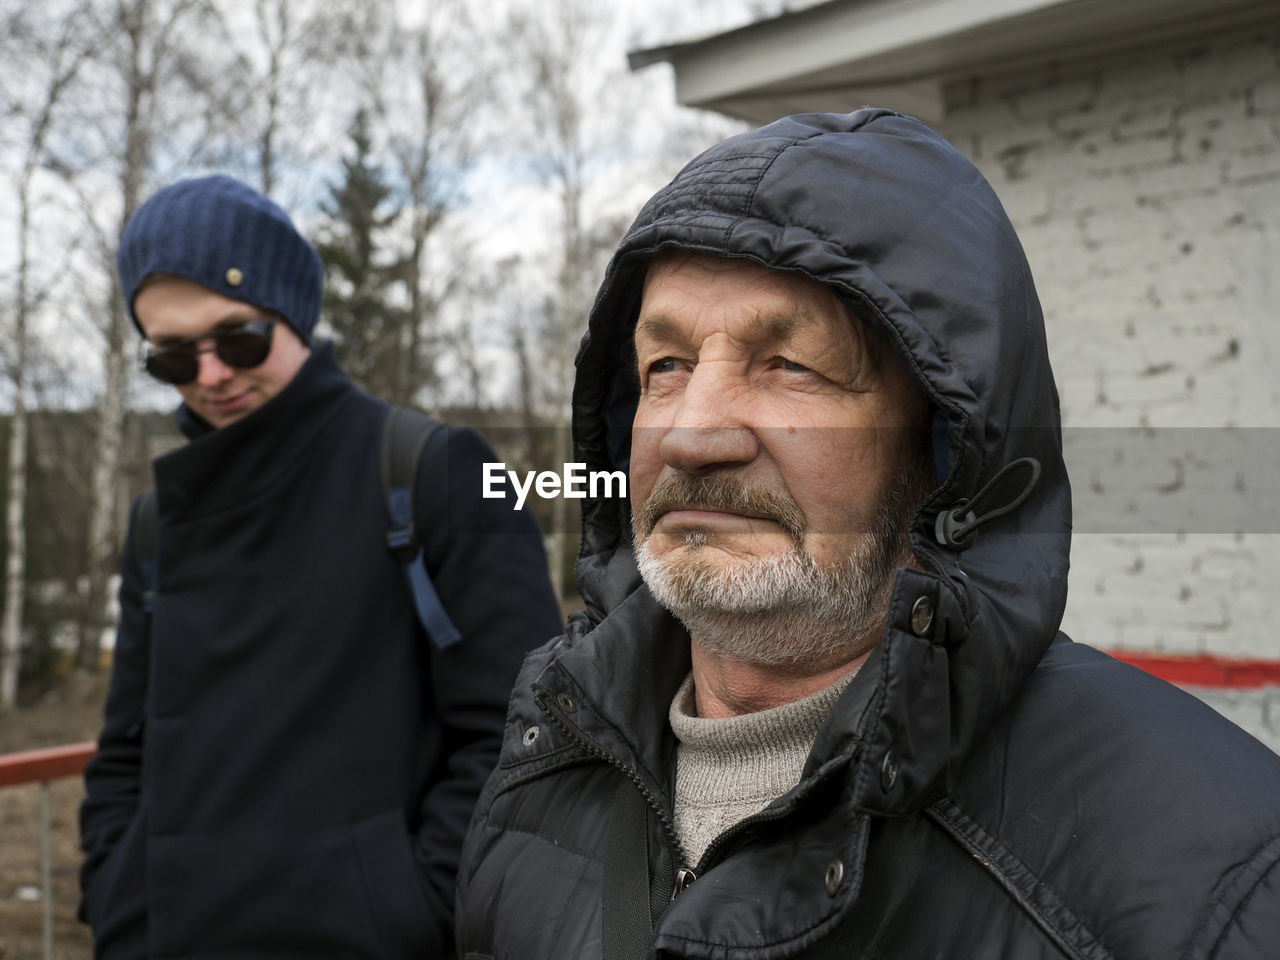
727	769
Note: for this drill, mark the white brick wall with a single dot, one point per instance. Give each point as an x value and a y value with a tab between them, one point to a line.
1146	191
1257	711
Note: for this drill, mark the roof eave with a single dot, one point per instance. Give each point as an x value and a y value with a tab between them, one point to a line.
844	53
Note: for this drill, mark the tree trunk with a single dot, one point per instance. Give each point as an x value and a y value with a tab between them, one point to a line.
275	44
408	372
102	505
571	271
102	494
15	569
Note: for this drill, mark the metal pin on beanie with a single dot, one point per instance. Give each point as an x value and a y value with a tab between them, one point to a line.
230	239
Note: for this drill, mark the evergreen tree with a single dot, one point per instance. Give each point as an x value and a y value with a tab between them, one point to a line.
364	299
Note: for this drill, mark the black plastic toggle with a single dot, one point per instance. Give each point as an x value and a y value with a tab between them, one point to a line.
1003	493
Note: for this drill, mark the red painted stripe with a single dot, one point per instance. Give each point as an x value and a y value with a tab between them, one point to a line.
1205	670
52	763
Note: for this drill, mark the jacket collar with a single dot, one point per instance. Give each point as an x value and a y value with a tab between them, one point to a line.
620	678
611	687
233	465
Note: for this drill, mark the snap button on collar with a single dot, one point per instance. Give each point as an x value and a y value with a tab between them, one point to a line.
835	874
922	617
888	771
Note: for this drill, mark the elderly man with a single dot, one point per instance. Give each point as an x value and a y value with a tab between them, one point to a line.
818	704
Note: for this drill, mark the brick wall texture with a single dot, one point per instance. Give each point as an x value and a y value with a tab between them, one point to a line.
1146	191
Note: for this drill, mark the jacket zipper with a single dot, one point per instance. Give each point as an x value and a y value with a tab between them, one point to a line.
684	875
713	852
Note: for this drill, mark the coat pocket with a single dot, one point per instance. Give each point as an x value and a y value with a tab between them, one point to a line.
393	886
115	902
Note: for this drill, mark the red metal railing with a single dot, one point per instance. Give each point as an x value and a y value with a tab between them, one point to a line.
42	766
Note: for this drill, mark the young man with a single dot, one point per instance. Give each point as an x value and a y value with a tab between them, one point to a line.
289	760
818	705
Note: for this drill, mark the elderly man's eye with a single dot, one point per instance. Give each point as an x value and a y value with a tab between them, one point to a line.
665	365
792	365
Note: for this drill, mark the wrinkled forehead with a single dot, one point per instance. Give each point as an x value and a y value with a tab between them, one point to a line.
682	295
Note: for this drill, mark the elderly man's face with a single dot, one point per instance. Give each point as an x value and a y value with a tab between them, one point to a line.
773	440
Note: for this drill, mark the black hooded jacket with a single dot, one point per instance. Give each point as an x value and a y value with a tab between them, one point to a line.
985	788
288	763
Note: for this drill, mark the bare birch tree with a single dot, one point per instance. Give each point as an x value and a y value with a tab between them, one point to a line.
283	60
570	93
424	84
62	55
276	31
146	36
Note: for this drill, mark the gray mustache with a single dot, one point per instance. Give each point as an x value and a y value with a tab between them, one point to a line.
723	492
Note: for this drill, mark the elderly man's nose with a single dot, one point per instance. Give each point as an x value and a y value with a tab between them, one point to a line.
697	449
707	432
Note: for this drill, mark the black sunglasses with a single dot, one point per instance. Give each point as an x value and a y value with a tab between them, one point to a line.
243	346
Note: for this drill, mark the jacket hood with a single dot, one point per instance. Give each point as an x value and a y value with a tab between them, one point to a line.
887	214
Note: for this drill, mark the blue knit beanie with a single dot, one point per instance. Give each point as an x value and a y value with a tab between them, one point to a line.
228	238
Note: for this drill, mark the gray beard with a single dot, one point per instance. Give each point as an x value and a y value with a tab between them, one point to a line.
787	609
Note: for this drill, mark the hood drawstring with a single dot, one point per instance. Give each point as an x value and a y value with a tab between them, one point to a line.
958	526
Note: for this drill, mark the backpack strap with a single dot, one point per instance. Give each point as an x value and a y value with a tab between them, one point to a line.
624	894
144	547
404	436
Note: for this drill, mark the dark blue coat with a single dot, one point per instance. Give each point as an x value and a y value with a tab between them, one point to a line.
288	764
